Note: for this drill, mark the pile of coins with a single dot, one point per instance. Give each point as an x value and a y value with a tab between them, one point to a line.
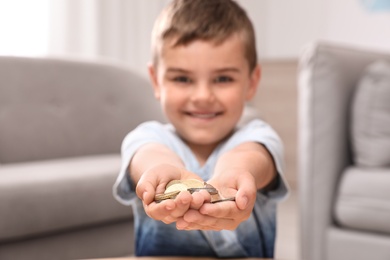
174	187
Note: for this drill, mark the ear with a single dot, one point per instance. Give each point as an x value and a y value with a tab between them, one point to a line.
254	82
154	80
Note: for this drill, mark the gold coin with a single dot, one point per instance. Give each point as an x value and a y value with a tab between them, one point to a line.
175	187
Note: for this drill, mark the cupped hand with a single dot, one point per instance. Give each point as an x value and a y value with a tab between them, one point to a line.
153	182
227	214
170	210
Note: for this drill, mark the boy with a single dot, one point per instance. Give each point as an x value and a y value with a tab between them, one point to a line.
204	70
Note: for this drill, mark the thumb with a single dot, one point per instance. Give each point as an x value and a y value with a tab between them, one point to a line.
146	192
246	193
242	200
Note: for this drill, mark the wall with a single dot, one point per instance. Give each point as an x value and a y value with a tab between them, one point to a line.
120	29
290	25
276	100
115	29
350	23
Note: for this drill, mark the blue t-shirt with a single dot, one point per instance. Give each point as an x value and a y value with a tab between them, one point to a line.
254	237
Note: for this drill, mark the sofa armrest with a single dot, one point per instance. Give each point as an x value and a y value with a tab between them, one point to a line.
328	75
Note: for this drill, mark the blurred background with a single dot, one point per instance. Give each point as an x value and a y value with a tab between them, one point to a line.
119	30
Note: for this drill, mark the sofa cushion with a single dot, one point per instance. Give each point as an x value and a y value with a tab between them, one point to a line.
363	200
370	128
56	108
49	196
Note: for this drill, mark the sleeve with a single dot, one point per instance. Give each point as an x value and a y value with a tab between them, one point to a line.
149	132
261	132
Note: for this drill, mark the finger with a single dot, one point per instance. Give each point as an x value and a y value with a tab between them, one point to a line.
146	192
160	211
193	226
225	209
246	194
181	224
184	224
221	225
169	220
182	201
195	220
242	200
199	198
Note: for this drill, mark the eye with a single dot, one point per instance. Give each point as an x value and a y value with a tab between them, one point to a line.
182	79
223	79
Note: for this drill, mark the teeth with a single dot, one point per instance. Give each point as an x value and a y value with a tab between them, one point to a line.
204	115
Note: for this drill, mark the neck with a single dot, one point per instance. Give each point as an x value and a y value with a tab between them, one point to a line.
202	152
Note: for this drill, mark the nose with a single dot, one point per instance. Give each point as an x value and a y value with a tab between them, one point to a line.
203	92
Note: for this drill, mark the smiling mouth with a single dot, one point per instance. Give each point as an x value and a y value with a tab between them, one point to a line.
204	115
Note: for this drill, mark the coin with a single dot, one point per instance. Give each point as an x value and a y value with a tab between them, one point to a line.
174	187
165	196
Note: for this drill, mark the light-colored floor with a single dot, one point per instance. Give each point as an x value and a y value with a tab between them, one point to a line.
287	241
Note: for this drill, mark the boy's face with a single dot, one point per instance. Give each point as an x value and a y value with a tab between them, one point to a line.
203	87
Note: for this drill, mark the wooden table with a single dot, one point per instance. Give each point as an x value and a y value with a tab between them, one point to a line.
175	258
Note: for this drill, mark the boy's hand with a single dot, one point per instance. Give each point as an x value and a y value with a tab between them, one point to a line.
169	211
227	214
153	182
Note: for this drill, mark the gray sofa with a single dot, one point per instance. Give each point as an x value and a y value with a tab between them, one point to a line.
61	126
344	153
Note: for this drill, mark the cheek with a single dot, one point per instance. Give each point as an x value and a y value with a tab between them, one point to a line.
234	97
171	97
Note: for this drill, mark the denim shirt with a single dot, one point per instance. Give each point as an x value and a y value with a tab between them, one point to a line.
254	237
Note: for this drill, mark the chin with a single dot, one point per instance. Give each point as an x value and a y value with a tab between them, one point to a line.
206	140
204	137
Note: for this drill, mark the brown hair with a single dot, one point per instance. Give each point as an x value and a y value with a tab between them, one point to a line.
212	20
